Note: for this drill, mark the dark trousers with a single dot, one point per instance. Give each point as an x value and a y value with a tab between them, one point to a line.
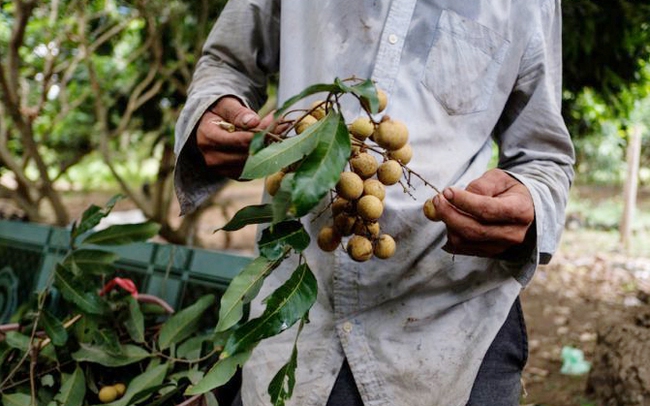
498	382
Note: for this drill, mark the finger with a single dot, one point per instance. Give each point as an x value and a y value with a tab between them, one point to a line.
513	205
220	159
491	183
233	111
469	228
472	249
211	135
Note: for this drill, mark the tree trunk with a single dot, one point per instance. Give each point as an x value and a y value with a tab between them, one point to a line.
631	182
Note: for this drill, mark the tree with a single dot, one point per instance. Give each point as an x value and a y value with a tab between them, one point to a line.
84	76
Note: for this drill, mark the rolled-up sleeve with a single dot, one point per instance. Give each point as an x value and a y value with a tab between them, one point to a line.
240	53
534	144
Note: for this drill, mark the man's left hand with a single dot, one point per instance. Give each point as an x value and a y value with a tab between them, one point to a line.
493	214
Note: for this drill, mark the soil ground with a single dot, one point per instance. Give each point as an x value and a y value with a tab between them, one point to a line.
590	281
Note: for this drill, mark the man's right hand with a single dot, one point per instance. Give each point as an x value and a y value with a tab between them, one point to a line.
224	151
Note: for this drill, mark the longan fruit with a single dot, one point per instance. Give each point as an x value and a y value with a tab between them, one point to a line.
328	239
364	165
403	154
344	224
318	109
359	248
369	229
340	205
362	128
391	135
120	388
107	394
430	211
373	187
272	183
383	100
389	172
370	208
384	247
349	186
304	123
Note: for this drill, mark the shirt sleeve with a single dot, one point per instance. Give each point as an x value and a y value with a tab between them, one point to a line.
534	143
240	53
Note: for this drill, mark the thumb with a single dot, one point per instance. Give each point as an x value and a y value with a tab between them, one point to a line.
233	111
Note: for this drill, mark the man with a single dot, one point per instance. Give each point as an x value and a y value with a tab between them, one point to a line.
440	322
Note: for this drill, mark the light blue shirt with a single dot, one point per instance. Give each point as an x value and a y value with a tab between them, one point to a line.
414	328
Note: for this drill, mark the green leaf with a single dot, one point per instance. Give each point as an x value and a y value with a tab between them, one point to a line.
242	289
184	323
91	261
73	390
93	215
256	214
282	384
366	91
16	399
108	339
219	374
282	205
192	347
320	171
88	301
21	342
313	89
257	142
129	354
54	328
288	304
150	378
123	234
135	322
279	155
276	237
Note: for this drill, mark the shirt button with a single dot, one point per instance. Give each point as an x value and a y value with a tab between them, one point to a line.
392	38
347	327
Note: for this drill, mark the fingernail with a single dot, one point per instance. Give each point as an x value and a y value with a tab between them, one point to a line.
449	194
436	200
247	118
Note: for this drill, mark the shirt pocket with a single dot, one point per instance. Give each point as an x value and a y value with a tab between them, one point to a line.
463	64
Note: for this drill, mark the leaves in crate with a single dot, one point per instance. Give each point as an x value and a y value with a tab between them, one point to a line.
88	301
53	328
90	261
182	324
282	200
278	236
93	215
219	374
120	234
135	321
152	377
73	389
280	155
284	307
192	348
21	342
282	384
321	170
366	91
16	399
129	354
242	289
255	214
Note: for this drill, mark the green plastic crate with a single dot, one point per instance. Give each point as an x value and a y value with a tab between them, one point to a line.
175	273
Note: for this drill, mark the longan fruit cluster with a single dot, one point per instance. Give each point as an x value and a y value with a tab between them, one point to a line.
110	393
379	150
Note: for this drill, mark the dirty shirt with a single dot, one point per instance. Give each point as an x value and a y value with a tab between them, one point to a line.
462	75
